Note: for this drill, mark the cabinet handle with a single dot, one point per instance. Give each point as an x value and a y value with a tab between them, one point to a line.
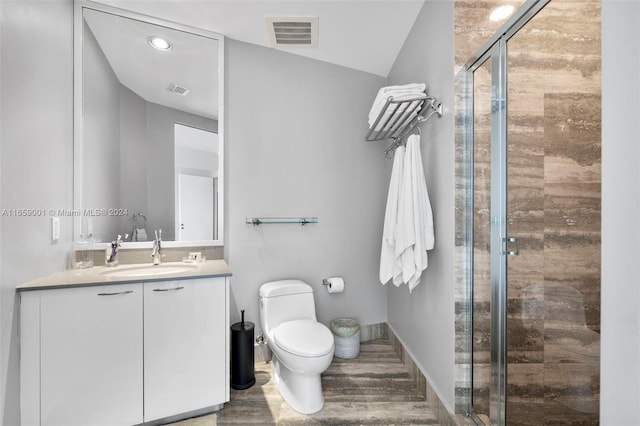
116	293
168	289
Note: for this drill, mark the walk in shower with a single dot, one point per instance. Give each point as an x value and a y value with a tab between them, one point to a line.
531	142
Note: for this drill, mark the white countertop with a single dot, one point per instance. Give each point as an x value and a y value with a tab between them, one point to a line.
100	275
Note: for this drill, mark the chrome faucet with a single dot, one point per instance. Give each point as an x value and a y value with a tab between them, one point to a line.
156	253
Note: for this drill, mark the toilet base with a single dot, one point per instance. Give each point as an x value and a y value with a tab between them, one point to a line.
302	392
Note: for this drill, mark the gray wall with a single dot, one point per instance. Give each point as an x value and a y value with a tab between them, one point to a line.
160	171
147	180
424	319
620	310
133	159
36	154
294	147
101	120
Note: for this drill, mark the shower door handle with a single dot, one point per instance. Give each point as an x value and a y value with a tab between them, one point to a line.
516	242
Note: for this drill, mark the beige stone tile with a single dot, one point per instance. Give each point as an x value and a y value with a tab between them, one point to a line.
394	413
332	413
374	388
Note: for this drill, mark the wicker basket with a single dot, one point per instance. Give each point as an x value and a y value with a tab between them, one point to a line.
346	333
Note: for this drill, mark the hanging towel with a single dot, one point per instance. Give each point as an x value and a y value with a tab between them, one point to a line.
387	253
413	232
405	236
422	215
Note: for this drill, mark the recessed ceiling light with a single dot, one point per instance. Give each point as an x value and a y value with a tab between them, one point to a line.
501	12
159	43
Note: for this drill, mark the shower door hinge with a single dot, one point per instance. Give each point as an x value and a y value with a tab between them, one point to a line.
515	246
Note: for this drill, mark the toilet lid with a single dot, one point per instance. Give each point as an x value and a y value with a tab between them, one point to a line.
304	338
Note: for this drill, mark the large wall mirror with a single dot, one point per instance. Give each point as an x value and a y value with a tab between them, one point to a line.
148	129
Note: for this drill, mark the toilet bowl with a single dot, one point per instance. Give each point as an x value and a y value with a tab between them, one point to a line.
302	347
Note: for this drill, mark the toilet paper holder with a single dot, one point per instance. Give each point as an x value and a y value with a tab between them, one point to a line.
334	284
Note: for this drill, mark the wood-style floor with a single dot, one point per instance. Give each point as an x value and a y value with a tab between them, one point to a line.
373	389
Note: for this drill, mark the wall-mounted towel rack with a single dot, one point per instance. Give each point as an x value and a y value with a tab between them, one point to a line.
399	117
256	221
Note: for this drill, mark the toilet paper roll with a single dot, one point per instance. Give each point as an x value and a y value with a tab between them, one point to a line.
335	284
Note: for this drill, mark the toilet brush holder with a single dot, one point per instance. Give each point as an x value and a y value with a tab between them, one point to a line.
242	355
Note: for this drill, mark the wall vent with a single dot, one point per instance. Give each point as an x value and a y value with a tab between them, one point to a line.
293	31
178	89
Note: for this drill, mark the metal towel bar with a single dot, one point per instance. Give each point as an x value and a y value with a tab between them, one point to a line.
257	221
398	118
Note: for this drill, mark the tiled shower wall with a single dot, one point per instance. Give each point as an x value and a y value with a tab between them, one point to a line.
553	318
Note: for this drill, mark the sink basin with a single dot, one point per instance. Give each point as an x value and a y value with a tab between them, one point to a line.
141	271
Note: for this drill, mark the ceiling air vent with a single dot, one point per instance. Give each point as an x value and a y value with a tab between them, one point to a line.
293	31
178	89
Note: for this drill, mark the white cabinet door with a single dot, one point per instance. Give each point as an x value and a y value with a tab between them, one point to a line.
91	356
185	346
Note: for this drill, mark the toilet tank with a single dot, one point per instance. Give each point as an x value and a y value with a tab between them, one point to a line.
285	300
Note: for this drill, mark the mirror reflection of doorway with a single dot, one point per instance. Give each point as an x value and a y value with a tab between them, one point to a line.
196	175
195	207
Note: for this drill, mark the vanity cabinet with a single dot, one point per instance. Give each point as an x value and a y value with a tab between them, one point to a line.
184	356
91	356
123	354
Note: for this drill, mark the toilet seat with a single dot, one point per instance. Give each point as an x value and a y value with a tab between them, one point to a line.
305	338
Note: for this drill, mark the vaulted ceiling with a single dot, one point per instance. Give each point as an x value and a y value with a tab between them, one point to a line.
365	35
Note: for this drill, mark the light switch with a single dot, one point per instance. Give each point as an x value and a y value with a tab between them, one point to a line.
55	228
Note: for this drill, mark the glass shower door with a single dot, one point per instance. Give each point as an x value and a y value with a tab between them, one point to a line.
553	214
484	398
481	319
535	199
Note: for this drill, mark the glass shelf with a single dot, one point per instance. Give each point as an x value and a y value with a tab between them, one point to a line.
256	221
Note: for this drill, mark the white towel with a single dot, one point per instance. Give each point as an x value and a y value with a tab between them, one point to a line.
404	92
397	112
387	253
394	91
405	229
423	216
413	233
376	108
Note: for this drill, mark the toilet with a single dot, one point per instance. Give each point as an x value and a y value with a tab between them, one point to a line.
302	347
